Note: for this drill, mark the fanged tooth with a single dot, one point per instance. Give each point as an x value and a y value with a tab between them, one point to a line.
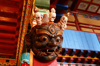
47	50
56	53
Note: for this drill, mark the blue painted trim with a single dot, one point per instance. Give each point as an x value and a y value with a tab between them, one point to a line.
25	56
61	6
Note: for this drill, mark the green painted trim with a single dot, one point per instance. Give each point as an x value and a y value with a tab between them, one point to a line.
42	3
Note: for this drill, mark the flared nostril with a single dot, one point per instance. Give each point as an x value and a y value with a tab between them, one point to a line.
52	44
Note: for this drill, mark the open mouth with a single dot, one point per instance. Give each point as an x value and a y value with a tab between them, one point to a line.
48	51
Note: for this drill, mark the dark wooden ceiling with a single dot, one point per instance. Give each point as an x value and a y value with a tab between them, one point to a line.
10	17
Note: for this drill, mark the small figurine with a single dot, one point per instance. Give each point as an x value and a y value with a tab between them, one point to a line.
63	22
38	18
45	18
52	15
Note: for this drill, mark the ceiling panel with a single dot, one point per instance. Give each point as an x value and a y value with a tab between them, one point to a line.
96	1
83	6
87	6
93	8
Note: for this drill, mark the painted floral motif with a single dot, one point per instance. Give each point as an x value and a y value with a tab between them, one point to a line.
82	5
96	1
93	8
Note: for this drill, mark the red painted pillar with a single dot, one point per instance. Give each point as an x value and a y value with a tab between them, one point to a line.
51	63
76	21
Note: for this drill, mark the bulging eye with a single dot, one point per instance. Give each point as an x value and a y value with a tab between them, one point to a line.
44	38
58	39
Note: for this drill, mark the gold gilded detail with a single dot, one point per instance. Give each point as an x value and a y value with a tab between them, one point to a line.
59	33
40	31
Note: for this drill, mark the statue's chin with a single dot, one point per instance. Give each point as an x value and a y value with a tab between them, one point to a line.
45	58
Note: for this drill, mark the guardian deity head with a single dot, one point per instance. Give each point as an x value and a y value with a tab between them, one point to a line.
45	41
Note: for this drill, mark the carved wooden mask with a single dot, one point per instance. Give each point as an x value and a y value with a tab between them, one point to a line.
45	41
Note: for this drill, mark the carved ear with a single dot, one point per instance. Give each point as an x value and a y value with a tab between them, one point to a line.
27	39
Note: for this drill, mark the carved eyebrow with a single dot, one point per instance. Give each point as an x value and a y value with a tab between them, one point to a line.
41	31
59	33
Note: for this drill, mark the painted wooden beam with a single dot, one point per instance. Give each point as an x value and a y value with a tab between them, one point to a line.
65	2
10	15
6	19
76	5
76	22
7	41
7	45
16	0
7	35
7	8
7	31
8	23
96	14
7	51
8	28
